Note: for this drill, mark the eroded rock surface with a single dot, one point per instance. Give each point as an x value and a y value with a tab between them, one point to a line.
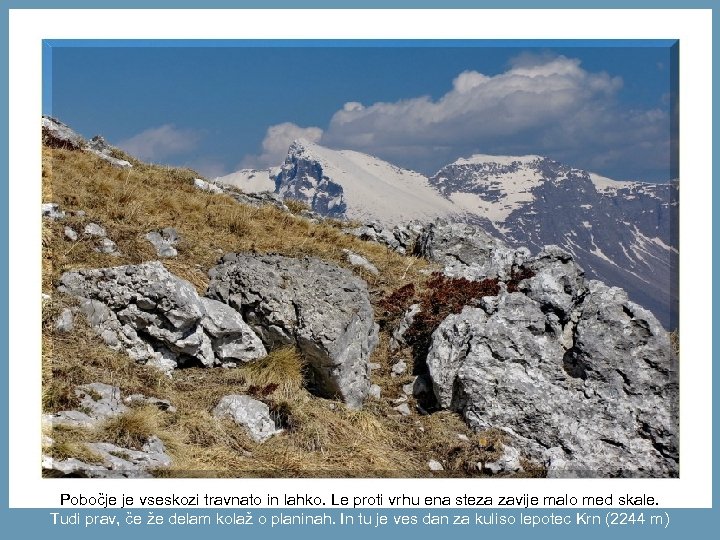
322	309
601	402
158	318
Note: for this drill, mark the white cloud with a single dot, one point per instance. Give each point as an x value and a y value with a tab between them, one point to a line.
276	143
158	143
540	104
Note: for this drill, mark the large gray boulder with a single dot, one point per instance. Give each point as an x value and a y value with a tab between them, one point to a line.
604	405
466	251
159	319
319	307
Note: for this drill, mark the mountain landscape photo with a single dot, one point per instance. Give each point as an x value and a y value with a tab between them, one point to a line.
478	280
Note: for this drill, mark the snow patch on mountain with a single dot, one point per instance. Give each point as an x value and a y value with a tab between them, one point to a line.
368	187
249	180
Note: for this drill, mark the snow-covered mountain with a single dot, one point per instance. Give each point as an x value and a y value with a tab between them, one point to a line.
624	233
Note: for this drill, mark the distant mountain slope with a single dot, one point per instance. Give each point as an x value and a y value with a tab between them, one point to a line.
624	233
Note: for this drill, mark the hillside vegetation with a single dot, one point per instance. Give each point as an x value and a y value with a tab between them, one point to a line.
321	437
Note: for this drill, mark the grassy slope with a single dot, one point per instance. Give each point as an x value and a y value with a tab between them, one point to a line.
323	438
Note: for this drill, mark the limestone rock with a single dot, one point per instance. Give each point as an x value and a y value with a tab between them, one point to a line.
468	252
358	260
93	229
435	465
158	318
207	186
70	234
52	211
164	241
65	322
57	135
322	309
605	407
508	462
140	399
254	415
397	341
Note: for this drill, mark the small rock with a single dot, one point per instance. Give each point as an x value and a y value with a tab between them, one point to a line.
65	322
45	297
463	437
374	365
70	234
403	409
93	229
358	260
52	211
107	246
140	399
398	369
207	186
100	400
509	461
435	465
408	388
250	413
374	391
401	399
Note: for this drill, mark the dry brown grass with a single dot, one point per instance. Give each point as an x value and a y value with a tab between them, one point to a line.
321	437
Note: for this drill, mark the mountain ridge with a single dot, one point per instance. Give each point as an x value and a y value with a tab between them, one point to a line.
621	232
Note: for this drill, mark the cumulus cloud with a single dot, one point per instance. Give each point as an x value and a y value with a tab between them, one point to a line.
540	104
161	142
276	143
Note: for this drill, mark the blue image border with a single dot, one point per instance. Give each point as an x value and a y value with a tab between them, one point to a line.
35	522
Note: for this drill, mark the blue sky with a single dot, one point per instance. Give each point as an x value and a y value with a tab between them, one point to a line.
605	106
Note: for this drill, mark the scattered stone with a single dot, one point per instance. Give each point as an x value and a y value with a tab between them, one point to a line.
401	399
463	437
254	415
358	260
375	391
508	462
408	388
397	341
100	148
93	229
55	134
141	400
398	369
164	241
468	252
403	409
207	186
52	211
117	462
45	297
100	400
400	238
435	465
373	366
159	319
69	418
108	247
317	306
65	322
70	234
